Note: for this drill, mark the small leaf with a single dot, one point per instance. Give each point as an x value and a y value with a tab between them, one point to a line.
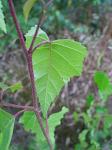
3	86
106	93
31	124
42	36
76	116
82	135
89	100
53	121
29	121
13	88
101	110
54	63
2	22
102	80
27	8
87	119
107	121
16	86
6	129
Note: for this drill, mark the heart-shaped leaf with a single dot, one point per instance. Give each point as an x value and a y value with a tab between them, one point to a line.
54	64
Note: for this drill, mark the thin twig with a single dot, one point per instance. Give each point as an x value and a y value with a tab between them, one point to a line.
20	34
36	32
41	44
16	106
19	112
45	6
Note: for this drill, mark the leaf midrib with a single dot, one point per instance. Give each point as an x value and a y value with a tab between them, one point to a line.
48	70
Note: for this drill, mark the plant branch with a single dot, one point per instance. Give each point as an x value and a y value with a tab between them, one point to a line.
35	104
20	34
19	112
45	6
30	68
16	106
36	32
41	44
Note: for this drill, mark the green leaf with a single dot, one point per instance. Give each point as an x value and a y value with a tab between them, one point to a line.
104	85
107	121
76	116
42	36
82	137
27	8
13	88
78	147
16	86
106	93
89	100
53	121
101	110
2	22
102	80
87	119
3	86
6	129
31	124
54	63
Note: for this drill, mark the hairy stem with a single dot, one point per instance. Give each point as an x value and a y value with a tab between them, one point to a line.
30	68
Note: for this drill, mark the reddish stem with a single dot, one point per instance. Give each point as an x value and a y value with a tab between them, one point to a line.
35	34
41	44
19	112
16	106
35	104
30	68
20	34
